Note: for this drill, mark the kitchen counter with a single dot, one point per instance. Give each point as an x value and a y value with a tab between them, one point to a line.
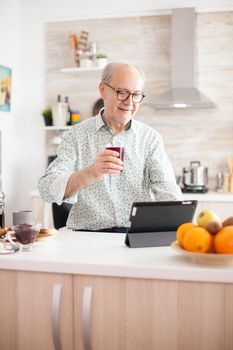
206	197
105	254
210	196
219	202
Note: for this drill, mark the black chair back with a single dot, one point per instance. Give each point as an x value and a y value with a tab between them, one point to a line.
60	214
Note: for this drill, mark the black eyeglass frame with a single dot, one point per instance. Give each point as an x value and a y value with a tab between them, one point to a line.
117	91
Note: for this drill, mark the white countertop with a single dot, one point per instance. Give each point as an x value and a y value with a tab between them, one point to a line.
210	197
106	254
202	197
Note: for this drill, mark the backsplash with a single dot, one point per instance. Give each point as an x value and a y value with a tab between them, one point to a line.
189	134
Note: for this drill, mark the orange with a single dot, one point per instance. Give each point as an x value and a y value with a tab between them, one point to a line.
182	230
198	240
223	240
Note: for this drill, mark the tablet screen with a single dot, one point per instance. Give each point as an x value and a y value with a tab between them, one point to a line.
161	216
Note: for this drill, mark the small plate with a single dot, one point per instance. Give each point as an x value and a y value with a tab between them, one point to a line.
11	250
46	234
206	258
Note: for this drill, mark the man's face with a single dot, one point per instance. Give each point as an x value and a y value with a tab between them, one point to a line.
124	79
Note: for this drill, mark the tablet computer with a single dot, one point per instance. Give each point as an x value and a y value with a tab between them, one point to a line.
155	223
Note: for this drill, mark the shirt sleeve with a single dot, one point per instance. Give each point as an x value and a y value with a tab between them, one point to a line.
53	184
162	180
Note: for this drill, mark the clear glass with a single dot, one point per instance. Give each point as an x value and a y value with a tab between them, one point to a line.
25	234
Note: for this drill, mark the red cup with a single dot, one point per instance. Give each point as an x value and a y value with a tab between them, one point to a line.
120	150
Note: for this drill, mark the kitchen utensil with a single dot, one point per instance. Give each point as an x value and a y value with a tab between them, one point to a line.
195	176
7	247
2	214
219	182
226	182
230	165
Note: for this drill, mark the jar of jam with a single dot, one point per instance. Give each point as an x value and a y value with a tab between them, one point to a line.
2	214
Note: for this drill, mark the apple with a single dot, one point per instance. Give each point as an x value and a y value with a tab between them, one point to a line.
206	216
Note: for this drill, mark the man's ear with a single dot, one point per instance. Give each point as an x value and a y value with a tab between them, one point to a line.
102	90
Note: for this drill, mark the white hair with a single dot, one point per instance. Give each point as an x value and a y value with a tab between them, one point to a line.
110	68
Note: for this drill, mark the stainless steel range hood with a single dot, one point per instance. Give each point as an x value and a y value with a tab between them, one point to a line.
183	93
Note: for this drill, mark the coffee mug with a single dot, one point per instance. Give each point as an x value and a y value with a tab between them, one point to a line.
23	217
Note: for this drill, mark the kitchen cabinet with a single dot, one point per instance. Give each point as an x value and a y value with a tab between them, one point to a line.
103	326
119	314
34	307
113	297
8	307
135	314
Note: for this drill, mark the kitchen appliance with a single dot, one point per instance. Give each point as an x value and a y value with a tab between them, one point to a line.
195	178
2	213
183	92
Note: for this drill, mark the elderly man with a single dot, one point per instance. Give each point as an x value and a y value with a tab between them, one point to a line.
102	186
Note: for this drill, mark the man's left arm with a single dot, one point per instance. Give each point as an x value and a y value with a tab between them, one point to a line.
162	180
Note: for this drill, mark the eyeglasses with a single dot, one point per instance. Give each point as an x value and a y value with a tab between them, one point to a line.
123	95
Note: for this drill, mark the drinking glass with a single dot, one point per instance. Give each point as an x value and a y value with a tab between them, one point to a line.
25	234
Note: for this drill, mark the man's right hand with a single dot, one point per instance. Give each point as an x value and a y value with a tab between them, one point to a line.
106	162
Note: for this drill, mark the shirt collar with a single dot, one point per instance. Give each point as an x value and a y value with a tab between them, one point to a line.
100	122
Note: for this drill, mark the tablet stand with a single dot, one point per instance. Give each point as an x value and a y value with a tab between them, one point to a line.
149	239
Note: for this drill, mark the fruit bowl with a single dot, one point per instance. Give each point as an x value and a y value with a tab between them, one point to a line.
205	258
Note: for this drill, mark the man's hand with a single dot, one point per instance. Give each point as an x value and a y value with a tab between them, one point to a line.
106	162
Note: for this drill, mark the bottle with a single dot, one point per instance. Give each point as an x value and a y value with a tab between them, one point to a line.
92	48
60	114
68	117
2	214
73	40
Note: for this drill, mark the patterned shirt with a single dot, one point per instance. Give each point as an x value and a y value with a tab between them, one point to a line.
147	174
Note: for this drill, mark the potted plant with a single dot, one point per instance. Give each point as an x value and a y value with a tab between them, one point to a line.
48	116
101	59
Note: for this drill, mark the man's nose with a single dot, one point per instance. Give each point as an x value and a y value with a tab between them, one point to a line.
129	100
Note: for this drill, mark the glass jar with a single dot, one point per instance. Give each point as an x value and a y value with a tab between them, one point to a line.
2	214
86	59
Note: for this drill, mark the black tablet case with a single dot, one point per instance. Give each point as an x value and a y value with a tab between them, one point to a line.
154	224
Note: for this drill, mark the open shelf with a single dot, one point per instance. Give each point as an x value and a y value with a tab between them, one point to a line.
56	127
80	69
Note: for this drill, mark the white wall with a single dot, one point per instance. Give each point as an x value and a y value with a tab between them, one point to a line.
9	121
